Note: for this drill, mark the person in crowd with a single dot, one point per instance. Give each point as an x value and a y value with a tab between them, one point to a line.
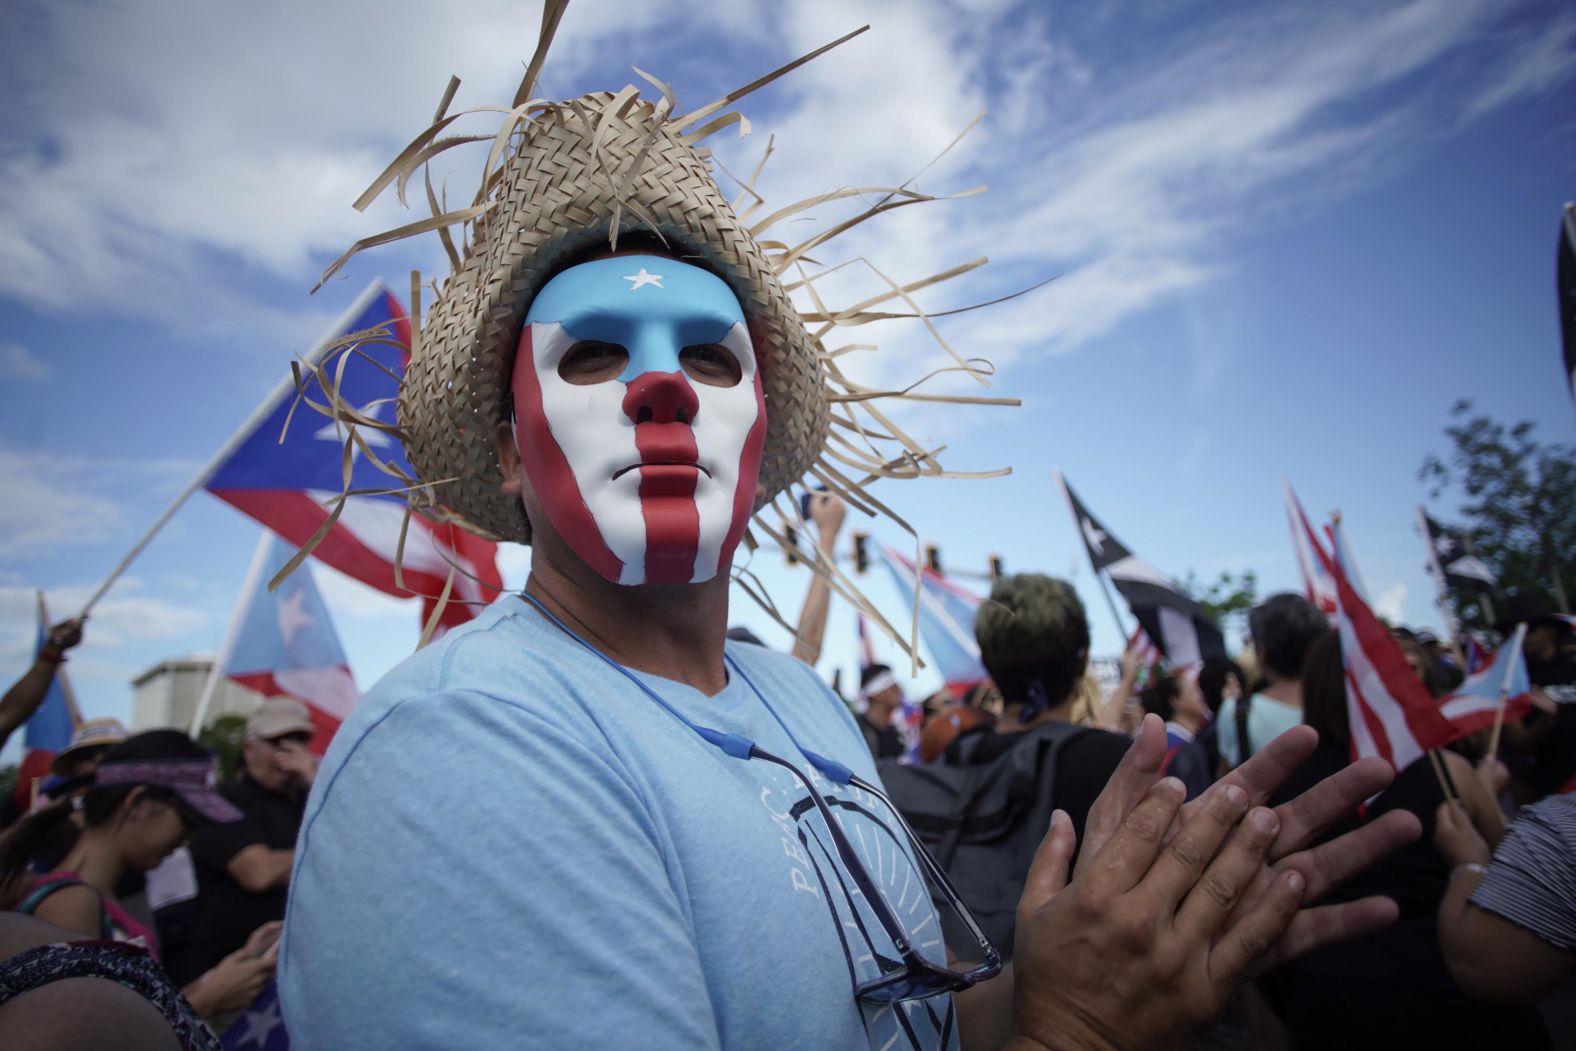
883	699
81	756
1421	661
1177	698
243	866
587	818
1392	984
1545	739
1283	627
1033	636
70	772
28	692
1507	924
1443	660
149	794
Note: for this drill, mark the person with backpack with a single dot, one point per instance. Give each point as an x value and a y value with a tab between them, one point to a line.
1283	627
984	806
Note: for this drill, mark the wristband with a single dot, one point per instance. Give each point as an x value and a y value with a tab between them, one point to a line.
51	656
1468	866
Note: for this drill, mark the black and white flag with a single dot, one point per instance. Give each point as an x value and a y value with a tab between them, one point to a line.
1460	568
1181	627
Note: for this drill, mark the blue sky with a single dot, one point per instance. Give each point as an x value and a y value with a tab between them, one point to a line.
1285	239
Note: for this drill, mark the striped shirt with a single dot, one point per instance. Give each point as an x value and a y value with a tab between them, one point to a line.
1532	879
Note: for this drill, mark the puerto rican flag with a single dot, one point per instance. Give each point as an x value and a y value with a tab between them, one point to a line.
1390	712
1317	580
1474	704
286	477
283	643
946	621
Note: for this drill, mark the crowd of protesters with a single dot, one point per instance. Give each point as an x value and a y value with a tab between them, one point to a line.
1487	896
127	837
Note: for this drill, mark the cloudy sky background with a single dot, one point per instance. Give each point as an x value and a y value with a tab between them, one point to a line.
1284	237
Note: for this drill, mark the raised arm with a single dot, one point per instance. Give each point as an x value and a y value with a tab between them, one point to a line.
28	692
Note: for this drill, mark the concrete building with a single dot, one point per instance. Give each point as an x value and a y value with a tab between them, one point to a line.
166	695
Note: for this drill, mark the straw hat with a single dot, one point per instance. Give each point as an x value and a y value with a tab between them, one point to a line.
585	171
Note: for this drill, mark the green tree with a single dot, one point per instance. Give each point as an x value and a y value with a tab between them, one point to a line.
1517	505
224	737
1227	599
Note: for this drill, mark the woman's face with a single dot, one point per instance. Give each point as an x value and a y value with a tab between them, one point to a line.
152	831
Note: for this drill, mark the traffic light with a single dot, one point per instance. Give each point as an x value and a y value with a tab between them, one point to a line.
861	552
996	570
933	558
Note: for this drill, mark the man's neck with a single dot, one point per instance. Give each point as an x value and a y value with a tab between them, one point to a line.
672	630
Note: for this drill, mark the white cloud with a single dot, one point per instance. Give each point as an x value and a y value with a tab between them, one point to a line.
54	502
43	512
19	363
1391	603
133	613
127	184
1546	57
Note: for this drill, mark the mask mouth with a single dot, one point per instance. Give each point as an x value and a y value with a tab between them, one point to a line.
660	463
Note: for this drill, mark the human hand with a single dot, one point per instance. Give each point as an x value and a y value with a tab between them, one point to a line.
1493	775
1147	943
233	983
1541	701
264	941
827	511
1301	821
1458	840
1132	661
293	759
63	636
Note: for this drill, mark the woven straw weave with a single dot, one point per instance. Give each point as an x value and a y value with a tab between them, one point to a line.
558	196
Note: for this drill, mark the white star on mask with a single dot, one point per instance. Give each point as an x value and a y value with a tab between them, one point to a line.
643	279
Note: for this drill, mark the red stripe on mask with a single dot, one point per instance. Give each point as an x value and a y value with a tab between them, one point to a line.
663	407
549	472
749	477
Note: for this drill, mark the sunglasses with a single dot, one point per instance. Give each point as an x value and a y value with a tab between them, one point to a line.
912	976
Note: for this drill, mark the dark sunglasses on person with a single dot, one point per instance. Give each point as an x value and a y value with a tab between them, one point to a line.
296	738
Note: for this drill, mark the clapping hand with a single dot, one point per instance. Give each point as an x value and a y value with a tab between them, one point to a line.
1172	906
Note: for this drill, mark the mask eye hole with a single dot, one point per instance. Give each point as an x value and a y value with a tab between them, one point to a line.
590	362
712	364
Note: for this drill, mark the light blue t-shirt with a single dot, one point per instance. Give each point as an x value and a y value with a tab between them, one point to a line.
510	845
1267	720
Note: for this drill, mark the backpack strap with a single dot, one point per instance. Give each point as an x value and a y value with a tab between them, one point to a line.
42	890
1244	747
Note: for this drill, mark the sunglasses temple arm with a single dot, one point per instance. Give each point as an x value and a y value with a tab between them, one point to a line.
851	862
938	875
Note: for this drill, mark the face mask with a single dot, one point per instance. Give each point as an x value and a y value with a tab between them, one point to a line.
639	417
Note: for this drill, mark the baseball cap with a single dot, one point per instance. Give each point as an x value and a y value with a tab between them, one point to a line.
279	716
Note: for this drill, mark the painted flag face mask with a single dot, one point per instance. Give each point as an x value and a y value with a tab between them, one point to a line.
639	417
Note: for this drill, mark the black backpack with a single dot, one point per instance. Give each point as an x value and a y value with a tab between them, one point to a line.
983	821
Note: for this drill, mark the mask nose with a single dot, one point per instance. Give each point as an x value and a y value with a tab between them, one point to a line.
660	397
